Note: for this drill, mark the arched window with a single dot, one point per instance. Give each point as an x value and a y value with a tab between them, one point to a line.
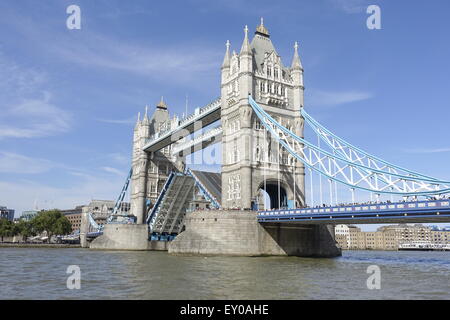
257	153
235	154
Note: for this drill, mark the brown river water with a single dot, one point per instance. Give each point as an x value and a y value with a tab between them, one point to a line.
40	273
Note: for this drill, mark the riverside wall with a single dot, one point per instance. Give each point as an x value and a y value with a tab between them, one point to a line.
238	233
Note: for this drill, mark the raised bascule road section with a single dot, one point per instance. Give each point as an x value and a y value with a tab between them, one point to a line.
202	117
280	191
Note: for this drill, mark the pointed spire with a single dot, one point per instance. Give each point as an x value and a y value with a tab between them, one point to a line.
245	49
138	122
162	104
145	119
226	59
296	63
261	29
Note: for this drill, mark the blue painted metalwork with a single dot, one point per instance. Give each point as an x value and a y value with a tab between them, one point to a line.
94	234
203	190
281	134
317	127
119	200
156	207
94	224
402	210
198	115
162	237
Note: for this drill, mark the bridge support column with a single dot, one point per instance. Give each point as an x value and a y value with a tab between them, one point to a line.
122	237
237	232
303	240
84	228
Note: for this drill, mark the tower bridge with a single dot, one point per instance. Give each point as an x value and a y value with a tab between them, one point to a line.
260	202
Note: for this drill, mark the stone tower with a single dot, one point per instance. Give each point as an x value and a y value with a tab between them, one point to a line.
150	170
251	161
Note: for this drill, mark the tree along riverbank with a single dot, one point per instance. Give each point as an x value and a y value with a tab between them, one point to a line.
38	245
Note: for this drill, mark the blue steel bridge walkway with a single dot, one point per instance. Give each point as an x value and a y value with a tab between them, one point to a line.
401	212
165	219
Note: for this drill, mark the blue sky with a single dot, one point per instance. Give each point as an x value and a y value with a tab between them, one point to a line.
69	98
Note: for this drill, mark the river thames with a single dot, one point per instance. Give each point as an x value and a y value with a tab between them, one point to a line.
40	273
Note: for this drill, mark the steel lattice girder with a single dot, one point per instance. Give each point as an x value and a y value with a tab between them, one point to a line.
341	169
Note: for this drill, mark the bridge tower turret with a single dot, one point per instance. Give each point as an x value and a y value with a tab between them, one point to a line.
139	164
150	170
250	163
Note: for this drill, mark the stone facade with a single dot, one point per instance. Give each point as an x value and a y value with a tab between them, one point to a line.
122	237
150	171
74	217
251	161
238	233
388	237
102	209
248	155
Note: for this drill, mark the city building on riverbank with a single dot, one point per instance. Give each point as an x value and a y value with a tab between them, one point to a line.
389	237
74	217
101	209
28	215
440	236
6	213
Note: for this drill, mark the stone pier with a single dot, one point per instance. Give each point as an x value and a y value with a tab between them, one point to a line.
238	233
122	237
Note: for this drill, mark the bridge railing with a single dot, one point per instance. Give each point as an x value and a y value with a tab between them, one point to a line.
362	208
200	138
215	203
156	207
348	172
199	113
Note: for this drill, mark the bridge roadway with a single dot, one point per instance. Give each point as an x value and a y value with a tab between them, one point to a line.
199	142
201	118
434	211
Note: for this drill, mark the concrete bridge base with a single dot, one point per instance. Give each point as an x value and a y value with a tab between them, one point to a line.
236	232
122	237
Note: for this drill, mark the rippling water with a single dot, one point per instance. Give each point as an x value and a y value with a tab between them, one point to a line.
36	273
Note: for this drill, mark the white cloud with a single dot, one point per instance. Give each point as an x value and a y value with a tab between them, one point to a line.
16	163
424	150
184	60
33	118
17	80
119	158
351	6
329	98
24	194
27	109
131	120
114	171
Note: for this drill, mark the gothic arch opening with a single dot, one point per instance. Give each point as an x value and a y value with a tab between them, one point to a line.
274	196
